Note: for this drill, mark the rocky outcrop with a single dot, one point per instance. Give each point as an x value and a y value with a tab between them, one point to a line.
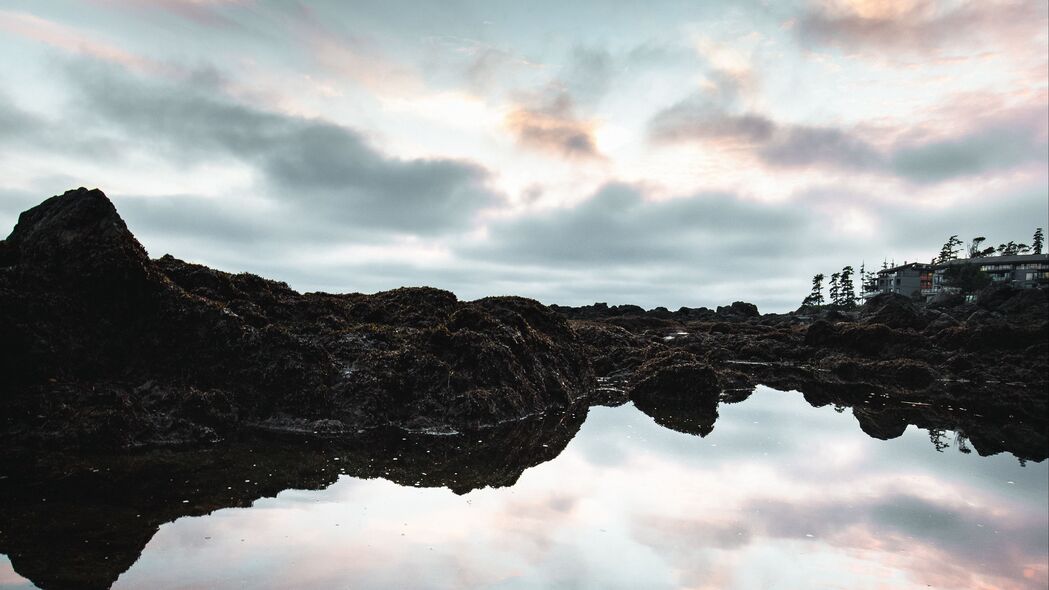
990	356
101	346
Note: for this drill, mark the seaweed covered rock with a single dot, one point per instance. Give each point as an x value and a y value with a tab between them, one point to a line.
678	391
894	311
102	346
675	374
739	309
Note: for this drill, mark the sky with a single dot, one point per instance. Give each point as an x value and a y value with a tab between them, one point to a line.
655	153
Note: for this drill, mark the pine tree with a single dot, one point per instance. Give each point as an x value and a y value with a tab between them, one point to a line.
846	290
1037	241
1012	249
976	252
835	293
816	296
868	280
974	246
949	251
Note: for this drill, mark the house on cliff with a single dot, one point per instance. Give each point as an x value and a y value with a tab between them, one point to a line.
906	279
928	280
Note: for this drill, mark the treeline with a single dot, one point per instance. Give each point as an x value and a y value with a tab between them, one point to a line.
842	290
951	248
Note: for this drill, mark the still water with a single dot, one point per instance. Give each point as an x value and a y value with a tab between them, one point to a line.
779	495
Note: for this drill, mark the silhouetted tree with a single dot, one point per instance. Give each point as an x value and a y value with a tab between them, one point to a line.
949	251
976	252
1012	249
846	290
938	438
868	283
835	293
1037	241
816	296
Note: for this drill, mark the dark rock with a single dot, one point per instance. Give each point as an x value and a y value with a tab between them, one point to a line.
820	333
678	391
676	374
86	317
1019	304
740	309
894	311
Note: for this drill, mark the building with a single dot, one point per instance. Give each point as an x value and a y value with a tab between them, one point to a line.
928	280
907	279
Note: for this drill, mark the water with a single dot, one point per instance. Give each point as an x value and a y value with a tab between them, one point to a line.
779	495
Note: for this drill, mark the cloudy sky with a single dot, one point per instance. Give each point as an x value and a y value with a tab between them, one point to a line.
658	153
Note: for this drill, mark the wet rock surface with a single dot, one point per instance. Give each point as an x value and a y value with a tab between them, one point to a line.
977	367
102	346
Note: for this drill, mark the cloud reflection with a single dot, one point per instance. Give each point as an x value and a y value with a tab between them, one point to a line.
780	494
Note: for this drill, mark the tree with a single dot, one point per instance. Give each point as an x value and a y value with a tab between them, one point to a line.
816	296
868	283
835	293
949	251
1037	241
976	252
967	278
1012	249
846	290
974	247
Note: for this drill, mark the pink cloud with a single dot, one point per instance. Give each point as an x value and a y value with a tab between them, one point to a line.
72	40
202	12
924	26
553	127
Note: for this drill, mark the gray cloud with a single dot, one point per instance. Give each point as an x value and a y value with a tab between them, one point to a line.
685	121
699	118
957	537
588	74
618	226
994	147
800	145
17	124
1000	142
328	171
923	27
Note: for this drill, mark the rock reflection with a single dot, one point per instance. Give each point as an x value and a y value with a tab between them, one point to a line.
79	521
681	415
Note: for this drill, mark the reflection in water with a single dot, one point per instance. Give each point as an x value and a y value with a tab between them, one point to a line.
777	494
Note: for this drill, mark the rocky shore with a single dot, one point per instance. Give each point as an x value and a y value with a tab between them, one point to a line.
124	376
103	347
